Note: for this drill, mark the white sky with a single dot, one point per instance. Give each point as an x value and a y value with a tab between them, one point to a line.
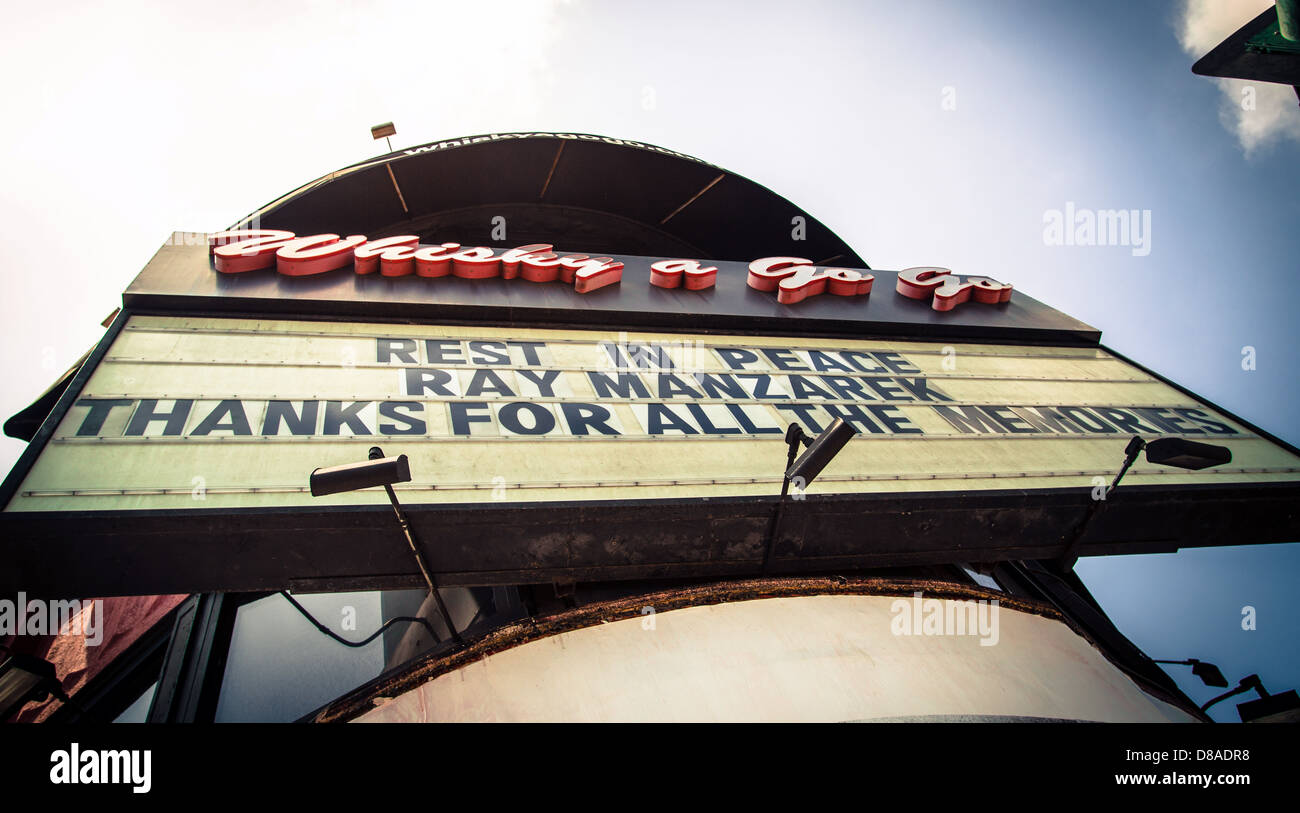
131	120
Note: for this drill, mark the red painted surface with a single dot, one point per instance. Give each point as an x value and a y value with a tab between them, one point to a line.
125	619
236	252
435	261
597	273
795	279
946	290
367	258
687	274
308	256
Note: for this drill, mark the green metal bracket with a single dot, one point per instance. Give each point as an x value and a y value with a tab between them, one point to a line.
1282	36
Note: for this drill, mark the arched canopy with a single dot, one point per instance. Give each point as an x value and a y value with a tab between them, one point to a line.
578	192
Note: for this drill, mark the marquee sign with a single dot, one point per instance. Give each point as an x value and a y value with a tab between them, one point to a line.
240	410
634	430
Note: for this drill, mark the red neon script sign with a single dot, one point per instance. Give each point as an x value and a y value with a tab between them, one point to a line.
795	279
236	252
947	289
687	274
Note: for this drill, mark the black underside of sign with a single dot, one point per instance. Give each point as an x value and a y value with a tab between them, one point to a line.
344	548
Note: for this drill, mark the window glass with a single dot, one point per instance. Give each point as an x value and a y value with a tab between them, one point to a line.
138	711
280	666
983	580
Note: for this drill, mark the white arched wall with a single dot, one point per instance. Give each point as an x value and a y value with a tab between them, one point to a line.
807	658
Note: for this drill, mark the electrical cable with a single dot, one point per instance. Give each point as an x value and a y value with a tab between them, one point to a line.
377	633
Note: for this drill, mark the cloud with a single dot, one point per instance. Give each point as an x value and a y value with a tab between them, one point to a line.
1258	113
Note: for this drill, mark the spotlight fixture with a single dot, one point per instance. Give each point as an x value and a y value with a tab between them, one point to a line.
385	131
1187	454
381	471
24	678
1280	707
805	469
1173	452
820	452
1209	674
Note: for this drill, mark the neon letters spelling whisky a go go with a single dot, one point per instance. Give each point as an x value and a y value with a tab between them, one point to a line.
794	279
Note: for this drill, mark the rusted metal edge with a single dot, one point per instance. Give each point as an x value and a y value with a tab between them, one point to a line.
428	667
